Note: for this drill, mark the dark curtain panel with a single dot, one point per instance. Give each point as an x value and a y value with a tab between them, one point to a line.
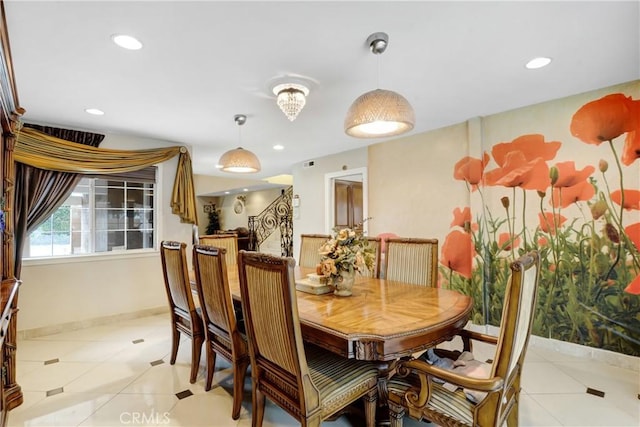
40	192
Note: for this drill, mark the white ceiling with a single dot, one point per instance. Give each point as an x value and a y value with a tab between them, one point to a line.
205	61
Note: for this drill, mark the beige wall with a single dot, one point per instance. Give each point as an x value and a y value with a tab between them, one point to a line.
308	184
59	292
255	203
411	192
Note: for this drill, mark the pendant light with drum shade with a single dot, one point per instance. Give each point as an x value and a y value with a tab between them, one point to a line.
239	160
379	113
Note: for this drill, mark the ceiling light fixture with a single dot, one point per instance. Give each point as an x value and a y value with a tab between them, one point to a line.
239	160
94	111
539	62
380	112
291	98
127	42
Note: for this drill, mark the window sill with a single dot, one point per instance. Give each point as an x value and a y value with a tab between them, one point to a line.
112	256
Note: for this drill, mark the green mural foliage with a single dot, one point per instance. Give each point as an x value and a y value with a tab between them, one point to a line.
590	263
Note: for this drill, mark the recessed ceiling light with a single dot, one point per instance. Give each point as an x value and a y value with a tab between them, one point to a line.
95	111
127	42
245	189
538	63
278	147
227	192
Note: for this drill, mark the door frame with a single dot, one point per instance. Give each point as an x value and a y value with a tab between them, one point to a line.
329	196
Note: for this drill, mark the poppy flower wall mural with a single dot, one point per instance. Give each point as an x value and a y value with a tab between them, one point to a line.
583	218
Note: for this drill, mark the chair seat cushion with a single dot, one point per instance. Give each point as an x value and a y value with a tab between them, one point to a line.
455	404
339	380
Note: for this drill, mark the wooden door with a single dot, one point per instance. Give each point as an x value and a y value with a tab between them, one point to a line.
348	203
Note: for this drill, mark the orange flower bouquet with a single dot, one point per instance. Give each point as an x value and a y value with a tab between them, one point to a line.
348	251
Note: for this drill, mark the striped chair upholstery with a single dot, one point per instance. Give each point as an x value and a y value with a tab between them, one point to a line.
413	390
309	245
412	260
184	316
308	382
228	241
376	244
222	332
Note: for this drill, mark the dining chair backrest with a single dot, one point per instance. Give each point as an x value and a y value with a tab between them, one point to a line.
228	241
412	260
269	303
517	315
280	367
487	396
223	335
184	316
176	277
309	245
376	244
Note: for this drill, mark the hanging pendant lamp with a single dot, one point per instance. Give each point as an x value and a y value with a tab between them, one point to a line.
379	113
239	160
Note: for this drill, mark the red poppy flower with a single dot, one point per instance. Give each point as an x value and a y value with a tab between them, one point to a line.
634	286
470	169
520	172
531	146
461	216
604	119
631	199
550	222
568	195
631	149
506	241
458	253
568	175
633	231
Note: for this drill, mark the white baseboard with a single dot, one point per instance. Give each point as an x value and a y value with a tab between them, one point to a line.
571	349
87	323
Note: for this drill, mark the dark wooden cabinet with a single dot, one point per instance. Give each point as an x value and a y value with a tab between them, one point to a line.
348	203
10	111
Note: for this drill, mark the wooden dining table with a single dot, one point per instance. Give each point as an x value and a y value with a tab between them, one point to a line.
382	320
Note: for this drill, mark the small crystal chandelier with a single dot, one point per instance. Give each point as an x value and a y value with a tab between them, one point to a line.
291	98
239	160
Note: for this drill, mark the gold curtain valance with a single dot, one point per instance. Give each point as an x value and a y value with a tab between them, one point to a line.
43	151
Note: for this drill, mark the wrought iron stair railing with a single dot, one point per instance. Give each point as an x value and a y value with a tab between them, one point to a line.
278	215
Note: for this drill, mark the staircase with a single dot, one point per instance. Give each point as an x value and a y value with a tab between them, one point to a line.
276	216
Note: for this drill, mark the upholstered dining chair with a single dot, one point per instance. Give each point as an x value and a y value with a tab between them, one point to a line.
228	241
222	334
411	260
308	382
184	316
309	245
376	244
487	399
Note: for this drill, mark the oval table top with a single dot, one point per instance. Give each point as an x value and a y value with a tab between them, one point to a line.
382	320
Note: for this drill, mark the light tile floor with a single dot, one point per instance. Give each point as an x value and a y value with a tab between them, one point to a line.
99	377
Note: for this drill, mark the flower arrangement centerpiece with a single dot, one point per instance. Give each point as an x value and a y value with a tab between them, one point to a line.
345	253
